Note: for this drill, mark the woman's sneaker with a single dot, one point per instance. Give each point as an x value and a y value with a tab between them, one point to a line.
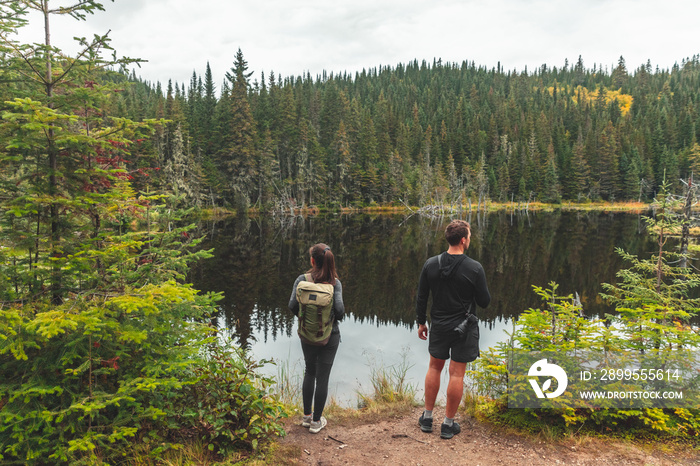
426	425
316	426
306	420
449	431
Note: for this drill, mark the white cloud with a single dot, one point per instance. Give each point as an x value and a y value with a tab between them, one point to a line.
178	37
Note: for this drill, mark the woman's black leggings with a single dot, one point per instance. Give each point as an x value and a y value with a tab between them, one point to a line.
319	360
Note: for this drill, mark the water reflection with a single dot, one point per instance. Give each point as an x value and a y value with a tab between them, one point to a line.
380	257
365	346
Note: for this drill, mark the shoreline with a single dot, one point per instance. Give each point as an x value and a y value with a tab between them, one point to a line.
313	210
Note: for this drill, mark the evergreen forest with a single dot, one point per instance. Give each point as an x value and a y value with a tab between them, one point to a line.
424	133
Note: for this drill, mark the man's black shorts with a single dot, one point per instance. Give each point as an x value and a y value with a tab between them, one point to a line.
450	345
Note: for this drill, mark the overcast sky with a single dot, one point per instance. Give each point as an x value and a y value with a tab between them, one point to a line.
291	37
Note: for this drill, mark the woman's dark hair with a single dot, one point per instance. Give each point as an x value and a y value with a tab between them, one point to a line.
323	270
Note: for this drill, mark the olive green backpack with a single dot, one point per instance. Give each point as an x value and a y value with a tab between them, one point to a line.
315	311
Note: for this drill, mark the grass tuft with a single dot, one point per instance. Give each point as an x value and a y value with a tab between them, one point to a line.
389	387
289	381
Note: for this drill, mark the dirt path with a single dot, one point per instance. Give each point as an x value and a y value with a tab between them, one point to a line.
399	441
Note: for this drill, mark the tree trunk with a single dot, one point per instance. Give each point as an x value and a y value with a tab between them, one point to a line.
53	166
685	230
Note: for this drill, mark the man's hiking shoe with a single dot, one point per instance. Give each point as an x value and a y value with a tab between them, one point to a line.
306	421
449	431
316	426
426	425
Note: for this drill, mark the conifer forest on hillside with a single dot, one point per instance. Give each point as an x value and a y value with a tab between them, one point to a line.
423	133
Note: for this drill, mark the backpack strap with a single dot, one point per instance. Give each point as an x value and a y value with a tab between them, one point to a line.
319	334
468	309
302	307
319	310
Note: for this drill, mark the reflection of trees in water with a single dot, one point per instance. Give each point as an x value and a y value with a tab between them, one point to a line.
572	248
379	259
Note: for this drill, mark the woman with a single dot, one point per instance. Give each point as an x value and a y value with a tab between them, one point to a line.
319	359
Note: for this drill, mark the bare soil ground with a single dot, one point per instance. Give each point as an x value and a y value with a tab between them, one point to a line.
399	441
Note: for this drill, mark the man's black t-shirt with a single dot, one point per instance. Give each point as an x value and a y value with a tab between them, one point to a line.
455	281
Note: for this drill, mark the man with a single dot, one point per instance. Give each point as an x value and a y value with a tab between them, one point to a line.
456	282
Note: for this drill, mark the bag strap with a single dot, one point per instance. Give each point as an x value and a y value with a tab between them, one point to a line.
302	307
320	317
319	313
468	309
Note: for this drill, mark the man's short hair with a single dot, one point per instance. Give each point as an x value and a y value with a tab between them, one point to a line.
456	230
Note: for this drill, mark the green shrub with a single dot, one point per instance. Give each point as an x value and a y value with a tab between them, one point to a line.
562	327
80	379
230	405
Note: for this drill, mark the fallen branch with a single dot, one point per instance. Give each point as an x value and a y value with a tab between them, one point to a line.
339	441
407	436
407	206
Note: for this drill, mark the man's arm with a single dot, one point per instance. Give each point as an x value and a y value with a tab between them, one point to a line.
422	296
482	295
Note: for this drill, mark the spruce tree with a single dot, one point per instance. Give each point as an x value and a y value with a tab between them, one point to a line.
609	165
97	327
656	298
341	185
240	153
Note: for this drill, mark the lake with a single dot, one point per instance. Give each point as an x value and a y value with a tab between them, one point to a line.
379	259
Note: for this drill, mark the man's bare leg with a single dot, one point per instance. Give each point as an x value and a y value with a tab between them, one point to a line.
455	388
432	382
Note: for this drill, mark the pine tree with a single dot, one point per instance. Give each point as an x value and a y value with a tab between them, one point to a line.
207	112
56	87
694	160
530	172
396	182
287	133
619	75
182	173
654	297
454	181
367	160
426	179
342	179
550	181
579	171
332	113
384	127
193	111
609	168
629	176
481	182
240	152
